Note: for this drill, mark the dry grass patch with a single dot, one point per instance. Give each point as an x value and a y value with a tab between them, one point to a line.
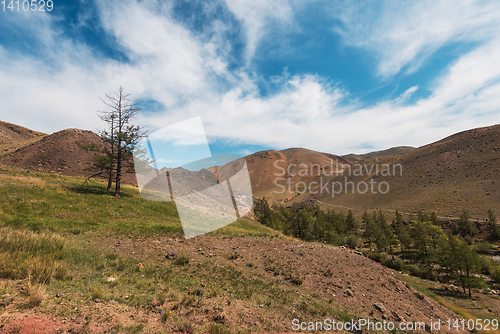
35	293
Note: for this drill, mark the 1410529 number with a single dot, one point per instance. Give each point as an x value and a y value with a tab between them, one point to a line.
27	5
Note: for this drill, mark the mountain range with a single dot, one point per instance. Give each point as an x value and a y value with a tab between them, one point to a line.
459	172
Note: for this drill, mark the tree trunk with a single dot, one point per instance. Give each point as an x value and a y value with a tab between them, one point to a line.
110	174
110	179
119	149
468	281
463	281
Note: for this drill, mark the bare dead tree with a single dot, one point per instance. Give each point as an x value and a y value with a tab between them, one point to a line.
121	136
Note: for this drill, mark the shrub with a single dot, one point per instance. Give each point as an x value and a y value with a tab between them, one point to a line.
181	260
426	272
97	293
121	263
375	256
217	329
42	270
487	264
482	247
429	273
414	270
297	280
185	327
62	273
496	274
36	294
165	315
336	239
385	259
397	264
352	241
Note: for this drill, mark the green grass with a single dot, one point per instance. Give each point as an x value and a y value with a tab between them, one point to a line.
57	203
63	204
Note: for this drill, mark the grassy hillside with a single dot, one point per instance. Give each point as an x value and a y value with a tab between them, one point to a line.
75	258
61	203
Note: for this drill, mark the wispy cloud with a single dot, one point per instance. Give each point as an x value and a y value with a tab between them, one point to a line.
403	34
261	18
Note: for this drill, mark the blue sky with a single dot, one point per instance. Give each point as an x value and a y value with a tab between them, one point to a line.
333	76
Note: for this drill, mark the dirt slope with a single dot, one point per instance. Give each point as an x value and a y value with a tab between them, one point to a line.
338	284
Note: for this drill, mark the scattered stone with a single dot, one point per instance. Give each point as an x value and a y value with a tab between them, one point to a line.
139	266
398	317
111	279
97	300
359	253
380	307
171	255
348	293
419	295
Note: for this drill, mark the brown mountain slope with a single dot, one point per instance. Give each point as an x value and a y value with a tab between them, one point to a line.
268	168
61	152
459	172
14	136
377	154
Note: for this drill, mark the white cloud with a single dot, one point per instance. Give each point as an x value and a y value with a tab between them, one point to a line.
406	33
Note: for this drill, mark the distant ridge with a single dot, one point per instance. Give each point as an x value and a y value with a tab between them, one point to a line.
13	136
377	154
